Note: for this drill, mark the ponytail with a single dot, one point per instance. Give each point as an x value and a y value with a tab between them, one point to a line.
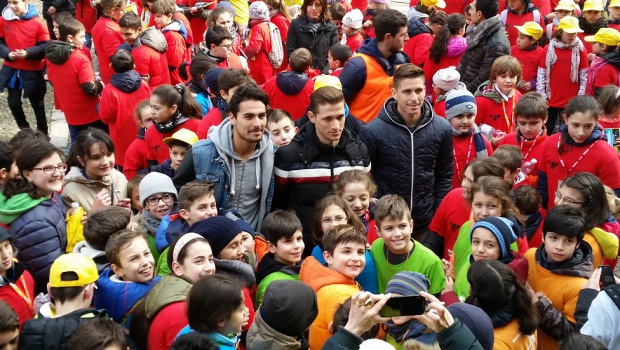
180	96
454	24
183	70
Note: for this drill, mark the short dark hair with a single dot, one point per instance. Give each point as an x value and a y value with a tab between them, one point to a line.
64	294
389	21
212	298
7	157
193	341
9	320
325	95
230	78
532	105
122	61
342	234
488	8
193	190
485	167
249	92
509	156
527	199
566	221
341	317
577	341
406	71
391	206
119	241
340	53
130	20
215	36
96	334
25	136
300	60
337	11
70	26
165	7
103	223
280	224
276	115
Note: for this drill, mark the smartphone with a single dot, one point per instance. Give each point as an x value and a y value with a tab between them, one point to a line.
607	276
404	306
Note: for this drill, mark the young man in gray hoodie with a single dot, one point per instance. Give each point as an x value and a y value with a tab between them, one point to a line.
237	157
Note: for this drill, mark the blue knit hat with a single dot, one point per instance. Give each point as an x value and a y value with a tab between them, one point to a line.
503	230
218	230
407	283
210	80
459	101
236	217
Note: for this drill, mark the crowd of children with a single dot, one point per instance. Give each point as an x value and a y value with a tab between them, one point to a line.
155	228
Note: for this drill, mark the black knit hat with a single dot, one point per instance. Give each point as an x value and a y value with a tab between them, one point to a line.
4	235
218	230
289	307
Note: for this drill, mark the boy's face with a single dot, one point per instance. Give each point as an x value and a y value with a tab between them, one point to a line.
135	199
225	20
9	174
484	206
333	64
598	48
55	29
162	20
463	122
614	12
223	50
558	247
78	40
202	208
177	152
524	41
18	7
247	240
530	128
9	340
516	5
339	27
282	132
396	233
6	257
349	258
592	16
234	250
506	82
130	35
163	207
484	245
136	262
287	250
511	176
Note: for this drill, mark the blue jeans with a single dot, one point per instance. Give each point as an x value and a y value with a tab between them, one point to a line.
89	41
74	130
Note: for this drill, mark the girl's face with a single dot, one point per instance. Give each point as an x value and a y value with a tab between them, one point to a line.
315	9
506	82
463	122
234	250
332	216
146	117
484	245
198	262
562	13
100	162
163	207
467	182
372	5
598	48
484	206
524	41
48	175
569	196
160	112
357	197
592	16
235	322
580	125
568	38
135	199
225	20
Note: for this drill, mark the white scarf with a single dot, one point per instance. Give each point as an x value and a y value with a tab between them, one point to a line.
576	46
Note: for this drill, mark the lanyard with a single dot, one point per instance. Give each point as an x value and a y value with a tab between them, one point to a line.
24	295
509	121
568	171
456	164
531	147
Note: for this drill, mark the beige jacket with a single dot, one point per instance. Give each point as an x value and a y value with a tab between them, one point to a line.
82	190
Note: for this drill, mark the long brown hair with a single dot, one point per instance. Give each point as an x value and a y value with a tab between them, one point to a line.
497	188
321	206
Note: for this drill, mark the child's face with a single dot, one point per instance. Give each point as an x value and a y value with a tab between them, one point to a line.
198	262
510	176
349	258
484	245
592	16
516	5
372	5
348	30
282	132
247	240
467	182
162	20
234	250
223	50
558	247
163	207
568	196
614	12
288	249
332	216
100	162
357	197
580	125
598	48
6	257
234	324
177	153
129	34
333	64
563	13
396	233
506	82
18	7
9	340
146	117
463	122
568	38
9	174
136	262
55	29
524	41
50	180
135	199
160	112
484	206
202	208
78	40
225	20
338	26
530	127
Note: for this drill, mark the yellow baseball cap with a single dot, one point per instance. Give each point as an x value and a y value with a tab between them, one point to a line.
614	3
566	5
182	135
436	3
532	29
607	36
83	266
593	5
570	25
327	80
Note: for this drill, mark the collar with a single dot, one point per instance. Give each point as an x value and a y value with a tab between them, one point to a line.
499	92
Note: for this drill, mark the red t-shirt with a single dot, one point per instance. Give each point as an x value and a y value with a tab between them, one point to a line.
135	158
465	152
531	149
529	60
354	42
166	325
157	149
177	53
22	34
561	86
86	14
499	115
606	75
23	309
452	213
512	20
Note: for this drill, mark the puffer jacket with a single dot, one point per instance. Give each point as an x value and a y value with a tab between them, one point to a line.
82	190
149	56
39	232
486	42
307	169
420	41
415	164
302	33
262	336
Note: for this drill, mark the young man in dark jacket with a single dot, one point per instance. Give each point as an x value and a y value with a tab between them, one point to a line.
486	42
307	168
411	148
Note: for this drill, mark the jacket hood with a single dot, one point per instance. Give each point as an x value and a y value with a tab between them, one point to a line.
169	290
58	52
221	136
416	26
238	270
612	58
127	82
389	113
269	265
76	175
456	46
175	228
291	83
14	207
369	47
176	26
318	276
262	336
579	265
84	248
152	38
608	242
9	15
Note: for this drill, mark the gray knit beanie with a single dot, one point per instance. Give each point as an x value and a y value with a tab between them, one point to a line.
458	102
156	183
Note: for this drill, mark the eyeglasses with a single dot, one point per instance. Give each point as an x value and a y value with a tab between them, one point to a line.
227	47
50	169
166	198
568	201
337	220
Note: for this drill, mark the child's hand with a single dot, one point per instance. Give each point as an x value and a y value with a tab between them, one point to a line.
532	294
124	203
12	56
591	56
102	200
595	281
436	316
496	141
246	316
367	24
551	16
526	86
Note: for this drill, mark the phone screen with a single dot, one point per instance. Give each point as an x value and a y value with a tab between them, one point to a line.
404	306
607	276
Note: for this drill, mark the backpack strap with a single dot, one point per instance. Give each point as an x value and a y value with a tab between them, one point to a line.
536	14
504	16
614	293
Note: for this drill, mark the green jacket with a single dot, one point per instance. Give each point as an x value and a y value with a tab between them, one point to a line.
169	290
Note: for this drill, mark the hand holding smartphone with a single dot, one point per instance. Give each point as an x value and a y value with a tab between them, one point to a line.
404	306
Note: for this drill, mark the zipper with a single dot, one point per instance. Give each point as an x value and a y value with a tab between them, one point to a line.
240	186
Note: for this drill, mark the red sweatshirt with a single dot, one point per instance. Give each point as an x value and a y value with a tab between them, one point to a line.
529	60
79	108
176	54
587	45
258	45
354	42
452	213
418	47
213	118
22	308
86	14
21	34
148	61
561	86
531	149
167	323
107	38
135	158
606	75
157	149
601	160
465	152
494	110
